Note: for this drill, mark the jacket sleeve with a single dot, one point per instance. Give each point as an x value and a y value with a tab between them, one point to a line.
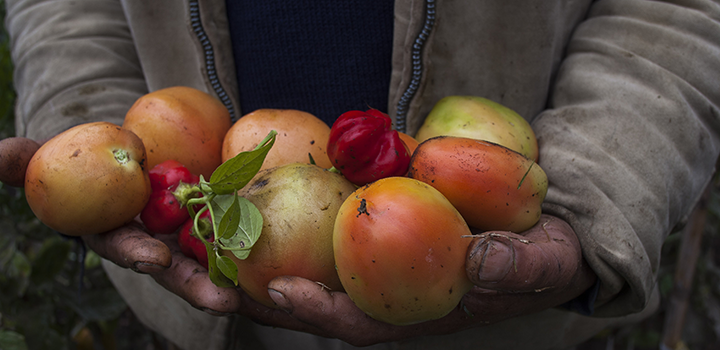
631	138
75	62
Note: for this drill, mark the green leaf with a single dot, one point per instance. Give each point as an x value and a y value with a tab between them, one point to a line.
236	172
227	267
248	229
214	272
10	340
230	219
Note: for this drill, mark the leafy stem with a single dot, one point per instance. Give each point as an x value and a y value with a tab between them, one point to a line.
236	223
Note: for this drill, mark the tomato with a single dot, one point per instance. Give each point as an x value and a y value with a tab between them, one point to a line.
300	134
298	203
89	179
482	119
183	124
493	187
400	251
409	141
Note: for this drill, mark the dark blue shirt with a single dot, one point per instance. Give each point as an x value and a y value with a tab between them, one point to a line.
324	57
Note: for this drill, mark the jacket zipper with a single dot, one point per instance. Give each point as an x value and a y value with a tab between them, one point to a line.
212	76
417	66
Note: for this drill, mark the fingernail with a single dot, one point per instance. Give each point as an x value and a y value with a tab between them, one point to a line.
144	267
280	300
495	262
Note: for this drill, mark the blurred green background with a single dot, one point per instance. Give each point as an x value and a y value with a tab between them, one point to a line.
54	295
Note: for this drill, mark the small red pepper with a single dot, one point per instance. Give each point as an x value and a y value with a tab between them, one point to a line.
164	212
168	174
364	147
190	245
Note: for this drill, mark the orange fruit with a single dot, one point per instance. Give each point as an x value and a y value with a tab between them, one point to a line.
400	251
181	123
89	179
409	141
299	134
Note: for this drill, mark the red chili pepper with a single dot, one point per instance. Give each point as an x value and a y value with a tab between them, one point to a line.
190	245
164	212
168	174
364	147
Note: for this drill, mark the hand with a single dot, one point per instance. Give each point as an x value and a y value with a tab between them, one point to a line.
514	275
15	154
132	247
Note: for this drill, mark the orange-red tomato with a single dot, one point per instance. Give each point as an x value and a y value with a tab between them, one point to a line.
400	251
493	187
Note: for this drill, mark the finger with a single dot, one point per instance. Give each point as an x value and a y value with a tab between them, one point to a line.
15	154
131	247
328	313
333	314
190	281
548	256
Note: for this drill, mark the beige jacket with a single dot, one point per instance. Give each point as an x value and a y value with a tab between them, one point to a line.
623	95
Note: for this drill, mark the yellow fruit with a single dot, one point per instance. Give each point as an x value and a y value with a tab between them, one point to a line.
89	179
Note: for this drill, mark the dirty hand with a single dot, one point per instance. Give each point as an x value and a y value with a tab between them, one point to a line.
514	274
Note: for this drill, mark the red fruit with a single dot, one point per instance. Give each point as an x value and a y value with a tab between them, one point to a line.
190	245
364	147
168	174
163	213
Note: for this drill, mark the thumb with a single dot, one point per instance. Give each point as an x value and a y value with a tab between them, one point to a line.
546	256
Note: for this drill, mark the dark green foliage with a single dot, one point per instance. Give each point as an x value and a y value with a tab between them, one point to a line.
47	291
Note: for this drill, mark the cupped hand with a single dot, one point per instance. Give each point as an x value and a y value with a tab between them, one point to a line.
514	274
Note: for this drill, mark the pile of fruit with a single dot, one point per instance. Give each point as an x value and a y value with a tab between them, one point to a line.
357	207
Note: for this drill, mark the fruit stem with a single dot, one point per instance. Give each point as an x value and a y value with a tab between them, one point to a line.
204	201
334	170
196	225
121	156
185	192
